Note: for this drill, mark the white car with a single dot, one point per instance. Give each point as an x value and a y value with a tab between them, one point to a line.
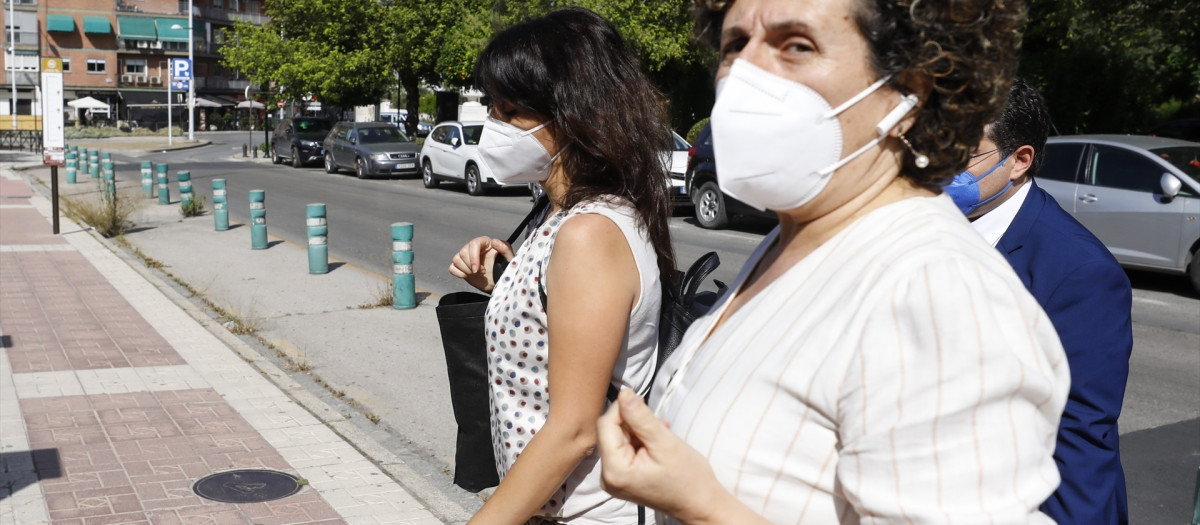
676	162
451	153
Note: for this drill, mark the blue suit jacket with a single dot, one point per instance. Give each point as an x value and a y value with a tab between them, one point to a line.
1087	296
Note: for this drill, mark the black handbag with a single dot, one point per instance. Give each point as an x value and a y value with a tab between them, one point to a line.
460	320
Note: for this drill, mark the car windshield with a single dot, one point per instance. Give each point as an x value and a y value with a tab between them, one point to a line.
1186	158
471	135
379	135
680	144
312	126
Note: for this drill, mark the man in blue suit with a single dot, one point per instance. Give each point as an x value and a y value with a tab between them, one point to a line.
1080	286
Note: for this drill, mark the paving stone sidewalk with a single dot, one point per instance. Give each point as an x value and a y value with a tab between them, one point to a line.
114	401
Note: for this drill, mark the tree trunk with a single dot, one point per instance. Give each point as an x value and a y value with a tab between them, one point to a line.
412	102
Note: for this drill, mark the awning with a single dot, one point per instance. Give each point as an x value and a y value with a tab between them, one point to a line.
202	102
60	23
167	34
88	103
135	28
97	25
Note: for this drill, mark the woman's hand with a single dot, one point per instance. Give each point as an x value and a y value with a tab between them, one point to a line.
474	262
644	462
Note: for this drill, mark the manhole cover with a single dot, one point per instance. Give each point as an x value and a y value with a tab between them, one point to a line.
246	486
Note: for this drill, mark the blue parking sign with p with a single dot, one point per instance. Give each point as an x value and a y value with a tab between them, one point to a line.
181	73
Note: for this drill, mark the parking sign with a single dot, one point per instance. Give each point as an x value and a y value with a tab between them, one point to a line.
181	73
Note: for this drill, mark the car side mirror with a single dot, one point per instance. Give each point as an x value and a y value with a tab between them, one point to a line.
454	142
1170	186
354	140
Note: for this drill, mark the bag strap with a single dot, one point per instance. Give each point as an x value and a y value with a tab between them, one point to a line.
538	207
695	276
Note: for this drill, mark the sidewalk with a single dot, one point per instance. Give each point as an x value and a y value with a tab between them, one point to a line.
114	401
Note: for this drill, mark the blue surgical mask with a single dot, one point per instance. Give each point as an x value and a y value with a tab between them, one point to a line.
964	189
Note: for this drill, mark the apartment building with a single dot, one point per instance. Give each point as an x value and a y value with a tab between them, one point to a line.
118	52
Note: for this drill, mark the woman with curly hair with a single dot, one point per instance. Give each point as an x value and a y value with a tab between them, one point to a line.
876	361
577	307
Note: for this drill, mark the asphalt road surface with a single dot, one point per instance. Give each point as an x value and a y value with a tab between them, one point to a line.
1160	425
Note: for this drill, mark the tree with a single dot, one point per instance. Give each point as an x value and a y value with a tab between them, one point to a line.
314	47
1114	66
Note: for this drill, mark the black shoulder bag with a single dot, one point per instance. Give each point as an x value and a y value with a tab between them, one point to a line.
460	320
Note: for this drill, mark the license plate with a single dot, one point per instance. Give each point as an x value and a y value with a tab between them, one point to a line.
406	166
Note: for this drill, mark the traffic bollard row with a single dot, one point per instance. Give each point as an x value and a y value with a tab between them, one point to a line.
147	179
220	211
403	281
94	164
83	160
258	220
164	191
318	239
185	188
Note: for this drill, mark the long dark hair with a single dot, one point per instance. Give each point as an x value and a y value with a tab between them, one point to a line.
572	67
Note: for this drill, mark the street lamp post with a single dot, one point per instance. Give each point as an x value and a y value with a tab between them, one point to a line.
12	58
191	94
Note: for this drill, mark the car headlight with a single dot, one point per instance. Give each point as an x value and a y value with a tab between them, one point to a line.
380	156
309	144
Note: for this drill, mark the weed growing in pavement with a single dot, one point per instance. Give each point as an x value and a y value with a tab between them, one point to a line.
374	419
383	297
193	208
108	216
147	260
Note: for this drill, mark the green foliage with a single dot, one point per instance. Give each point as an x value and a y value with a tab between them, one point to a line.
1112	66
192	208
108	216
694	133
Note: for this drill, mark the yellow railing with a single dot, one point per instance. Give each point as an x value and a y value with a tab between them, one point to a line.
24	122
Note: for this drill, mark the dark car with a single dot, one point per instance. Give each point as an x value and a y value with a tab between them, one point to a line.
370	148
299	139
713	208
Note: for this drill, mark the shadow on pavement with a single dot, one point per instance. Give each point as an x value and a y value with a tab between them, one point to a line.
1162	282
1160	471
22	469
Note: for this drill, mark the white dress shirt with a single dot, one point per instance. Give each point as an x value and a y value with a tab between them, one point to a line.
993	224
901	373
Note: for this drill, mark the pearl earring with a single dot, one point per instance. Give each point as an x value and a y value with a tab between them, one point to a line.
921	160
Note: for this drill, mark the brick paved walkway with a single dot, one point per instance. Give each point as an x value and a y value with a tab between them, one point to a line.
113	401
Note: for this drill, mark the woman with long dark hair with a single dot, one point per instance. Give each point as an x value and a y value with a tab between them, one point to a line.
577	307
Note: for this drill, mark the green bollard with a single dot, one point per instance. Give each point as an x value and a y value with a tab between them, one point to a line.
185	187
83	161
72	169
147	179
258	220
404	285
318	239
110	182
94	164
164	191
220	212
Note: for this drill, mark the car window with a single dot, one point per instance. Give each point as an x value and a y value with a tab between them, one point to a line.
311	126
351	134
380	135
452	133
439	134
472	134
1061	162
680	144
1186	158
1120	168
339	132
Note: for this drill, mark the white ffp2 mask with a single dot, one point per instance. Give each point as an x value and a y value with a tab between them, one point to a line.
778	142
512	155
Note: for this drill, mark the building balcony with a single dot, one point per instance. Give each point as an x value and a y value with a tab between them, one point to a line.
225	15
233	84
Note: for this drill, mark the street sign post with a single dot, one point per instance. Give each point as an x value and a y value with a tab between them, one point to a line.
53	143
181	74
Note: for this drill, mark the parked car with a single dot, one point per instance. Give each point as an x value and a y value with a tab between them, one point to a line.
299	139
370	148
451	153
1139	195
713	208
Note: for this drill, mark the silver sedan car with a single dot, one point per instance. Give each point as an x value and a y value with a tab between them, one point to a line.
1139	195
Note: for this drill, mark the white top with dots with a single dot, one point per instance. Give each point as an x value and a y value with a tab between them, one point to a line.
518	353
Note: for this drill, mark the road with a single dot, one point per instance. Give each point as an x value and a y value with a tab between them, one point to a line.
1160	426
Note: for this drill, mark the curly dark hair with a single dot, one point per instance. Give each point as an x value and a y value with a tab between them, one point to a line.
572	67
966	50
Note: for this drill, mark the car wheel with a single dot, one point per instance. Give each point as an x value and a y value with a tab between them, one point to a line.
1194	271
710	206
360	168
330	167
296	163
427	175
474	185
275	158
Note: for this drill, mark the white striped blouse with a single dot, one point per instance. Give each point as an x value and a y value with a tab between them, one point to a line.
901	373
